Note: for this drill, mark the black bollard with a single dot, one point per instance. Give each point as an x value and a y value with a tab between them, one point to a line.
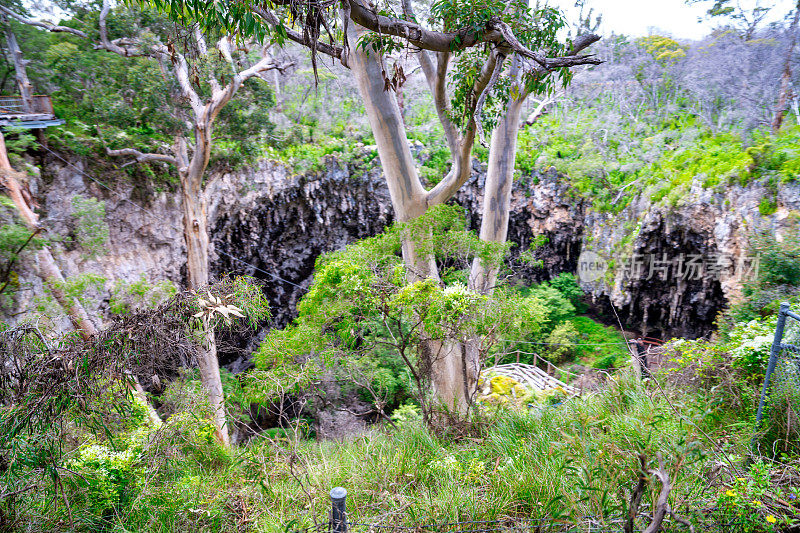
338	510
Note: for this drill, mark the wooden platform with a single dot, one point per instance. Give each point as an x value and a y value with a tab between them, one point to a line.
39	114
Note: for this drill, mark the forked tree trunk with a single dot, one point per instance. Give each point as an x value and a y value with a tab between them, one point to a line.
494	225
409	202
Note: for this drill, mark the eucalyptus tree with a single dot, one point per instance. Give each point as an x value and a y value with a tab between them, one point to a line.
478	56
183	56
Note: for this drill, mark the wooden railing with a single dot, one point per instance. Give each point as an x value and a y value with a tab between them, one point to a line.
13	105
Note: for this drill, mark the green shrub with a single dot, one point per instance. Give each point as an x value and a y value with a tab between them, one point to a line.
128	297
598	345
767	206
91	229
741	505
106	477
567	284
561	341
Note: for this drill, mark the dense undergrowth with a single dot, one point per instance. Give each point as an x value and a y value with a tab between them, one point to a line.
563	462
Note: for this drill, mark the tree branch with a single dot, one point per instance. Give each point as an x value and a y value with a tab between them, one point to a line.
436	77
496	31
662	504
46	25
222	96
462	160
182	75
333	50
416	34
541	109
482	99
112	46
141	157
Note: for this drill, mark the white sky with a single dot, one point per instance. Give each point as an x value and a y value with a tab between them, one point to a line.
670	17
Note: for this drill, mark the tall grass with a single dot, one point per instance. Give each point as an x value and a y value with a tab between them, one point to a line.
571	460
568	461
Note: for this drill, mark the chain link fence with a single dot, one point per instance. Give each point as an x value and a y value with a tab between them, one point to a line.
778	415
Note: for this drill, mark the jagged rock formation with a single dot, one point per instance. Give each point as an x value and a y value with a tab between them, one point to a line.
272	224
279	223
705	224
542	205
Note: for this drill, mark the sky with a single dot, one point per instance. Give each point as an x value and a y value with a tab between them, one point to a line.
665	17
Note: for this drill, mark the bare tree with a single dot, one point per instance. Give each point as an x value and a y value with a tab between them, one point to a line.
746	18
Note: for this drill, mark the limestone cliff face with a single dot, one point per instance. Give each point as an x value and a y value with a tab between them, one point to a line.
707	227
272	224
145	237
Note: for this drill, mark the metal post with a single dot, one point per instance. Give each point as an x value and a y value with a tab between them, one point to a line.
338	510
773	360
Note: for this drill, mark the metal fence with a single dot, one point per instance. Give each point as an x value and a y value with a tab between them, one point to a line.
338	522
778	415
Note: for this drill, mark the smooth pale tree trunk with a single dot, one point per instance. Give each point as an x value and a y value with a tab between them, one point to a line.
497	195
405	189
195	221
786	77
195	232
494	225
409	199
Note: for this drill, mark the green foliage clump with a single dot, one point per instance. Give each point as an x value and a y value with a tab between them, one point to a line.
554	463
601	346
563	335
365	319
774	278
742	504
12	237
779	261
561	341
82	287
567	285
767	206
662	48
106	477
129	297
91	230
536	28
312	156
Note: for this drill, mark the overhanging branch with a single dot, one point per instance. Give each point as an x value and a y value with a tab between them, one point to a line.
45	25
141	157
